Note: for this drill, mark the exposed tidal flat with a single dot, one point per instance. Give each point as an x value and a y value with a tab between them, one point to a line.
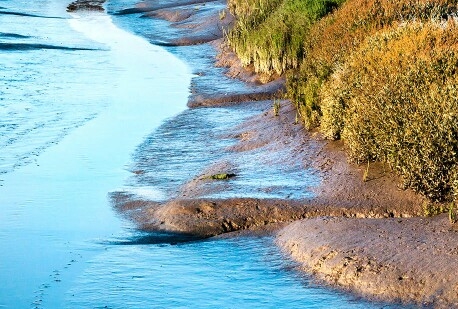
351	258
78	96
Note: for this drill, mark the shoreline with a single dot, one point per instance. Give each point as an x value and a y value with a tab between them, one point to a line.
325	228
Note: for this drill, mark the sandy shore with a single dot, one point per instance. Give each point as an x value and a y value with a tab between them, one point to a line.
362	235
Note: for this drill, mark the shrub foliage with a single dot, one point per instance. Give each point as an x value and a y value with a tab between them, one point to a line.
396	100
333	38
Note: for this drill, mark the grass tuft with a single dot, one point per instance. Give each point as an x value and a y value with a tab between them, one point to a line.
453	213
276	108
270	34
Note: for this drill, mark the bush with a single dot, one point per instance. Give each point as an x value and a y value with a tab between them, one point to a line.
333	38
396	100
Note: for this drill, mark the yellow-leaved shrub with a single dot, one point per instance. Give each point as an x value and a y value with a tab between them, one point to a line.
396	100
333	38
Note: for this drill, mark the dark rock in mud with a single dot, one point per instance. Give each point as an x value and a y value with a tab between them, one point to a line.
86	5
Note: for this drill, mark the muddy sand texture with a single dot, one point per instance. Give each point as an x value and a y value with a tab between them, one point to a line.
342	191
410	260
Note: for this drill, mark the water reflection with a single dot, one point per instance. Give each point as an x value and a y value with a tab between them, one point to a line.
152	238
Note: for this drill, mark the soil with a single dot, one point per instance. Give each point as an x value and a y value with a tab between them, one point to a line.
358	230
341	191
409	260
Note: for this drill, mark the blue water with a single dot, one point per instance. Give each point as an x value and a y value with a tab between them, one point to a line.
77	97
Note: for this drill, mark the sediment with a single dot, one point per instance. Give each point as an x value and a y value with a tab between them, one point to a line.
408	260
276	140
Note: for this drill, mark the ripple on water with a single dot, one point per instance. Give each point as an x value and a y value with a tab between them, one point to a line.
42	93
227	273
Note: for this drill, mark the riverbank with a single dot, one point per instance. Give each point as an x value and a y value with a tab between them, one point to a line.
349	193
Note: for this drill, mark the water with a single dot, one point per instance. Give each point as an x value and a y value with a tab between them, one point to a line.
202	136
77	96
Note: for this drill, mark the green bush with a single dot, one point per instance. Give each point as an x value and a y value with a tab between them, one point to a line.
270	34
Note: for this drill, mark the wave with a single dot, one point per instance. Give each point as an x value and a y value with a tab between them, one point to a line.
37	46
28	15
13	35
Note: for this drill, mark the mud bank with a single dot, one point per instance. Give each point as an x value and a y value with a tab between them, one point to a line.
86	5
206	206
410	260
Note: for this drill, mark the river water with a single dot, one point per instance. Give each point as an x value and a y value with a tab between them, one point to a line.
78	95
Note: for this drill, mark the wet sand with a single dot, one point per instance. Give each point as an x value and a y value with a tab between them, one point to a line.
350	233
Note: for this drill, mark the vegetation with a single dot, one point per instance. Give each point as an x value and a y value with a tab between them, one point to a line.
222	176
332	39
453	213
432	209
276	107
379	74
270	33
396	100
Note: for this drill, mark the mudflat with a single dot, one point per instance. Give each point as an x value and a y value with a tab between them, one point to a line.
408	260
355	229
86	5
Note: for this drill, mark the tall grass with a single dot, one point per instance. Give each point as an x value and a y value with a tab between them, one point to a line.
270	34
396	100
